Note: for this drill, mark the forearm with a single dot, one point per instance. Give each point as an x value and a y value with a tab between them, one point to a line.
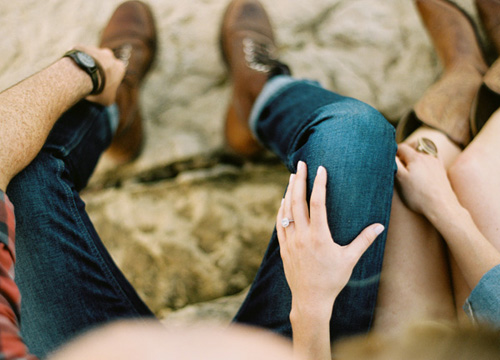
29	109
474	254
311	333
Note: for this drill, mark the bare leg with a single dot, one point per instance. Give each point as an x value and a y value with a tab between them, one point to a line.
475	177
415	282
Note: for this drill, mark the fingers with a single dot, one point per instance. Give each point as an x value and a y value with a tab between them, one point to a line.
406	153
300	212
319	217
402	170
279	229
287	204
363	241
295	203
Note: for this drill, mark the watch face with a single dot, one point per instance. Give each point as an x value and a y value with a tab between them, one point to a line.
86	59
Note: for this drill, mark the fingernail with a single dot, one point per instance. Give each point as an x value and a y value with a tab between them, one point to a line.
378	229
300	166
291	178
321	170
282	201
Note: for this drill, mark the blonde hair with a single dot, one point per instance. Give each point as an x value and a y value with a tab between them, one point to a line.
429	341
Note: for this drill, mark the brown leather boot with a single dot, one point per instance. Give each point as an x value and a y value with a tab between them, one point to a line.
131	34
489	12
446	105
488	97
249	51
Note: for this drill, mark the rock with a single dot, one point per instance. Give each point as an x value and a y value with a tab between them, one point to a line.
190	239
220	311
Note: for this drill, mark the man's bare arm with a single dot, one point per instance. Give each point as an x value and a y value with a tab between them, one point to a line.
29	109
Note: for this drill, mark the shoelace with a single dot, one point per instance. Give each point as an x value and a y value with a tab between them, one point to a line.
259	56
123	53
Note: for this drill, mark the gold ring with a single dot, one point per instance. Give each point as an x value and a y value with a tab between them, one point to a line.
427	146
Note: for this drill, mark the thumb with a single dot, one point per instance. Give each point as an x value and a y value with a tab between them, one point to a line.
363	241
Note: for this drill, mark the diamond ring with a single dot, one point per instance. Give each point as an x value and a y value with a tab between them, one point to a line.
285	222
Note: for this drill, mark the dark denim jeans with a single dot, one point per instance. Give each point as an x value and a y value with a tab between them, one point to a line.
67	279
298	120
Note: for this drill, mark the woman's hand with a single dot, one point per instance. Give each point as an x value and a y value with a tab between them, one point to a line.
316	268
422	180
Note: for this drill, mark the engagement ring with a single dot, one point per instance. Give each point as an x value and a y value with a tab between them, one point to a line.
285	222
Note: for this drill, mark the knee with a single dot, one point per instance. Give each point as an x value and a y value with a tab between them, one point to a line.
35	182
357	129
371	125
466	170
354	138
361	124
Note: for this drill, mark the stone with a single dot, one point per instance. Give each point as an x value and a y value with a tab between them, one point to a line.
221	311
192	238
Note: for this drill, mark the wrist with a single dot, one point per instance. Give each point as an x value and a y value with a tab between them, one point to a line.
310	312
79	79
441	204
91	67
77	76
447	212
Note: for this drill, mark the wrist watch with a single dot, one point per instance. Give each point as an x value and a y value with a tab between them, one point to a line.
91	67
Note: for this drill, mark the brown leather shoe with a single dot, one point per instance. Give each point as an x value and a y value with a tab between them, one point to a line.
249	51
446	105
488	98
131	34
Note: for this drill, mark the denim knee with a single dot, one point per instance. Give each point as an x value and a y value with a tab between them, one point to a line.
355	133
357	147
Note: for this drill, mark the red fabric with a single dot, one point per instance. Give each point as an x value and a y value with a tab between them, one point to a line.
11	343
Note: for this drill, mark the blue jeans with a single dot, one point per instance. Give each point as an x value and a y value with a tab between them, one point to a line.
67	279
298	120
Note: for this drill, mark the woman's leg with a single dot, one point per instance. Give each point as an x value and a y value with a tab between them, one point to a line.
415	281
445	105
68	281
475	177
299	120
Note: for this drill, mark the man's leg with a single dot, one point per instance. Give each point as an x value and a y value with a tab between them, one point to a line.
68	281
298	120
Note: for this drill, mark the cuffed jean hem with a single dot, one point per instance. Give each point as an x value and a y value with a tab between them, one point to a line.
113	117
272	89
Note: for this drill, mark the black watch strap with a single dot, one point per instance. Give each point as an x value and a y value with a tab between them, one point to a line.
91	67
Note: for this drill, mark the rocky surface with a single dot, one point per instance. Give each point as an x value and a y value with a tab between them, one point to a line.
186	223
